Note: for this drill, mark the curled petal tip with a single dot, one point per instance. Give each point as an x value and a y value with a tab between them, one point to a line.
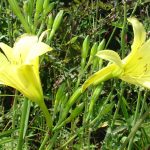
43	34
139	33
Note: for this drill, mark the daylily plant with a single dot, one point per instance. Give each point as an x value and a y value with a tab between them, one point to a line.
135	68
19	67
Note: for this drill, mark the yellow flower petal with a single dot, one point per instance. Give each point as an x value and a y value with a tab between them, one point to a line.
144	82
137	63
32	88
19	66
24	79
37	50
9	77
8	51
3	61
140	61
135	68
100	76
138	68
139	34
23	46
111	56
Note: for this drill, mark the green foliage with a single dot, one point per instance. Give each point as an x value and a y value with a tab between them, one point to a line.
108	116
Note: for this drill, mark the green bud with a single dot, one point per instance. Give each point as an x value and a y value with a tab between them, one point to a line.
51	35
85	47
56	25
93	52
94	49
39	8
45	4
74	97
26	8
70	102
57	20
101	45
49	21
48	9
75	112
97	63
30	5
59	96
73	40
95	96
73	115
84	53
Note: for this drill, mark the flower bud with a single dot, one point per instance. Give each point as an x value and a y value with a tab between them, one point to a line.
85	49
57	20
50	21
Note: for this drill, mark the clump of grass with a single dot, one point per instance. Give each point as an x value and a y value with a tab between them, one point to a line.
111	115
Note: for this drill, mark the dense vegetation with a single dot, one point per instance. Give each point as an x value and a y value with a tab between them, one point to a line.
109	116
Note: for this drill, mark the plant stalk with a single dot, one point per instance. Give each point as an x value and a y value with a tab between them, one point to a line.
24	122
123	32
135	128
46	114
135	118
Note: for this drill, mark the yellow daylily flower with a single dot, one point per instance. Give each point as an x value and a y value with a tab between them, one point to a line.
19	66
134	69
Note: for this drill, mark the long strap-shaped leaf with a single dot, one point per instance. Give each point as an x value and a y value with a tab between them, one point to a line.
14	6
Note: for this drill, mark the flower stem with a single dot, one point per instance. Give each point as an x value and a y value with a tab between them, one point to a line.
46	114
143	103
136	5
112	34
14	113
44	141
24	122
53	141
135	118
118	105
124	30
